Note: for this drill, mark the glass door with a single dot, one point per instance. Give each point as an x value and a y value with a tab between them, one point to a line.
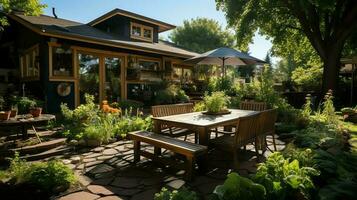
112	80
89	79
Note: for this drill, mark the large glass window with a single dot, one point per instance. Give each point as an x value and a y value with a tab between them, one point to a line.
88	76
62	62
112	79
149	65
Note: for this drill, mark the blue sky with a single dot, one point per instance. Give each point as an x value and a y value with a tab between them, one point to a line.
170	11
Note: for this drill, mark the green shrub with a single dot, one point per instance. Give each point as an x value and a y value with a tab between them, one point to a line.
51	176
284	179
182	194
171	94
47	176
216	102
127	104
307	79
237	187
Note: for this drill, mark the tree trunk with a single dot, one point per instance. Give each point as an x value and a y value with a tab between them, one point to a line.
331	68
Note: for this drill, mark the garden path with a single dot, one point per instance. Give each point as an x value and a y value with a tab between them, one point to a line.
107	173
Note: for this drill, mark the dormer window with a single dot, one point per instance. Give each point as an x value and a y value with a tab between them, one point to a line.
141	32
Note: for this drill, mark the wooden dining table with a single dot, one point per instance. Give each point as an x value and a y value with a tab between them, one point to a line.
200	123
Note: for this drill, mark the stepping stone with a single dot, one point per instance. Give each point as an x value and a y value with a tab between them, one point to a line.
125	182
146	195
123	191
176	184
111	198
75	159
111	145
103	181
108	152
100	190
98	149
105	157
80	195
81	166
66	161
90	164
101	168
84	180
150	181
86	160
71	166
93	155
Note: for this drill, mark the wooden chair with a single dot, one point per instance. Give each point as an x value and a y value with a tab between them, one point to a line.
253	105
244	105
173	109
245	133
270	116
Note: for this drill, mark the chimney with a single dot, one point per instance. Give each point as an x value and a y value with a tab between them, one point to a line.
54	12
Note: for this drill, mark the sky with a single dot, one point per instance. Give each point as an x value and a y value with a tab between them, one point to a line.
170	11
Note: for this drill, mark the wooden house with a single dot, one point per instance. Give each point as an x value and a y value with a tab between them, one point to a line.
117	56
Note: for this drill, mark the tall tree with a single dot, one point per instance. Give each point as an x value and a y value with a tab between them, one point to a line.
201	35
30	7
327	25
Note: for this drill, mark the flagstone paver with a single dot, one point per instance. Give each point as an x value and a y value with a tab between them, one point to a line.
107	172
99	189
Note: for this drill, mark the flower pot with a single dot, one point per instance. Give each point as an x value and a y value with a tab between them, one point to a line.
5	115
13	113
35	112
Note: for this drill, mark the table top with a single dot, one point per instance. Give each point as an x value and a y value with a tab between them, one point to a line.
20	119
203	120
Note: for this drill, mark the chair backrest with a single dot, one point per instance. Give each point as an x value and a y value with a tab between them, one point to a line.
271	116
246	130
172	109
253	105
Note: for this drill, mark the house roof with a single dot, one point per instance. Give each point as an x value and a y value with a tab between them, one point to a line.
163	26
66	29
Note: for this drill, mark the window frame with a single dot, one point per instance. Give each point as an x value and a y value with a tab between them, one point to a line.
29	59
53	77
142	29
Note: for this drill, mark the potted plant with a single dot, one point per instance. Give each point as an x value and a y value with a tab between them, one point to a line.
216	103
14	110
5	115
35	109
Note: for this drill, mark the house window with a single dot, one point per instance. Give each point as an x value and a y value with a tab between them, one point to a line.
141	32
62	62
29	63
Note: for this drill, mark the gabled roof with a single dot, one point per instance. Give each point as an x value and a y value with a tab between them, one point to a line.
162	25
66	29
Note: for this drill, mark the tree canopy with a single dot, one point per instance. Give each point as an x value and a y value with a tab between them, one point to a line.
29	7
312	30
201	35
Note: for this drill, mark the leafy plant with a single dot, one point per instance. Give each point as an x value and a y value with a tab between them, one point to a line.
182	194
200	106
284	179
47	176
216	102
127	104
25	103
171	94
53	175
237	187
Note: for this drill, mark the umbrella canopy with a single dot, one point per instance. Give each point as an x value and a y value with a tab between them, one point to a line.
224	56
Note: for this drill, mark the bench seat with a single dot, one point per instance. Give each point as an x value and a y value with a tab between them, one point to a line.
190	150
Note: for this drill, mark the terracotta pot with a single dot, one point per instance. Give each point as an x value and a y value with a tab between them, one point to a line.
5	115
35	112
13	113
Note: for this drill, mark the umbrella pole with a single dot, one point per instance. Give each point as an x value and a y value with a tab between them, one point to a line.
223	68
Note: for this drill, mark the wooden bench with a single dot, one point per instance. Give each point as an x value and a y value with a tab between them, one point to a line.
173	109
253	105
190	150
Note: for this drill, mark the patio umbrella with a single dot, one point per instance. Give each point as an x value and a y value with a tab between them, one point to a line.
224	56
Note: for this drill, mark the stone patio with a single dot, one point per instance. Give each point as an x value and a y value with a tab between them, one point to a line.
107	172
